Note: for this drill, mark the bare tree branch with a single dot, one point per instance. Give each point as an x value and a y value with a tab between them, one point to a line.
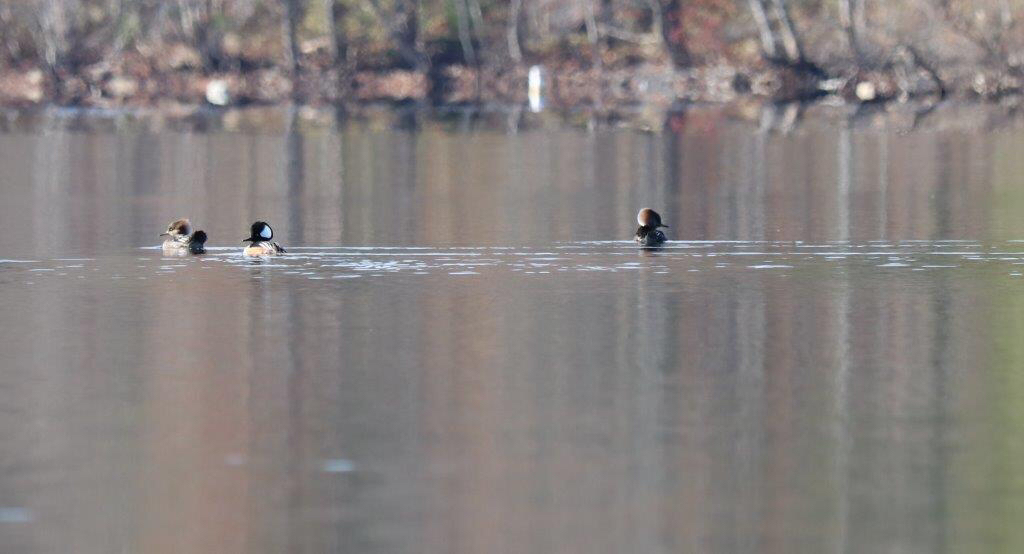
919	60
790	42
629	36
764	28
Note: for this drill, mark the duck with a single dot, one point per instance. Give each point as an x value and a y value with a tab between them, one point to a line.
181	240
260	243
649	234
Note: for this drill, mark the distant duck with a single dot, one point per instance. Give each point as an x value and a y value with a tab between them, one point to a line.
181	240
260	235
648	234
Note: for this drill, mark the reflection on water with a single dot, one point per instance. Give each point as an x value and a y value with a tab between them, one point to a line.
463	353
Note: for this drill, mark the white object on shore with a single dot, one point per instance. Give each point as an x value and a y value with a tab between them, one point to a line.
865	91
217	92
534	84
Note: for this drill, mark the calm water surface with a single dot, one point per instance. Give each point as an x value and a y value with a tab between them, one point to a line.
463	353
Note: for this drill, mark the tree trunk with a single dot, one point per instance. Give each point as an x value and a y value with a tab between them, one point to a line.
673	32
408	32
465	39
336	43
512	30
293	14
476	16
846	21
210	36
606	13
53	26
593	33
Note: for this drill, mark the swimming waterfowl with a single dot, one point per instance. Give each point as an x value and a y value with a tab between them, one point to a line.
260	235
181	240
649	233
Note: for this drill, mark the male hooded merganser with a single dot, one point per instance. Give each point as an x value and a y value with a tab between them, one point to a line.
259	236
648	234
181	240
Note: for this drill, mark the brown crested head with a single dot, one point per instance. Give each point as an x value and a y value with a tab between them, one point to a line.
181	227
649	218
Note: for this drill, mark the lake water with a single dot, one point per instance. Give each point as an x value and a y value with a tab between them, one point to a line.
464	352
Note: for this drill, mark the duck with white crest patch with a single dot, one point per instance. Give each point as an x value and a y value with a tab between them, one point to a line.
260	243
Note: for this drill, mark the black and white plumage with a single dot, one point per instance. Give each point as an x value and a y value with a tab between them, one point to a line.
649	234
260	235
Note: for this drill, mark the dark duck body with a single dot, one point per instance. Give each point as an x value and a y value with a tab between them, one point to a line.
197	242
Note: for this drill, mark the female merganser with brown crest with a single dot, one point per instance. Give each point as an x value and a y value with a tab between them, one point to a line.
181	240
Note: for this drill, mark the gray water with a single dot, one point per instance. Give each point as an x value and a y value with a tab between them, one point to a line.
463	352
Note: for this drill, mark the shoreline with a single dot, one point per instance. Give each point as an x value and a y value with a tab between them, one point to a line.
758	115
128	85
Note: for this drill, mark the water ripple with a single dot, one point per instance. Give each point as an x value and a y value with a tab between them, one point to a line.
584	257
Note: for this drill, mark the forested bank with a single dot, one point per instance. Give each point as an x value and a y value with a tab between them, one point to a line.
110	53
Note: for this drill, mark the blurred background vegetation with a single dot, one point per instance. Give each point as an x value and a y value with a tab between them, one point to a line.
83	51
